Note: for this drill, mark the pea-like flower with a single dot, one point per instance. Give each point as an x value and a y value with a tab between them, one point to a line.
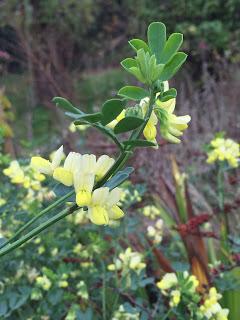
45	166
171	126
128	260
224	150
103	206
211	308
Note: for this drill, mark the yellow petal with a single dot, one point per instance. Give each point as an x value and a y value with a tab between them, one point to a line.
83	198
64	176
41	165
150	132
116	213
98	215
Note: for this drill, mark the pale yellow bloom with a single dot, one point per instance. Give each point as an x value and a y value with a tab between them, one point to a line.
44	282
168	281
15	172
211	308
172	126
175	298
2	202
103	206
128	260
104	163
224	150
45	166
65	174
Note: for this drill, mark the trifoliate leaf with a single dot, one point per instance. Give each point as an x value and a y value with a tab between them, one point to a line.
92	118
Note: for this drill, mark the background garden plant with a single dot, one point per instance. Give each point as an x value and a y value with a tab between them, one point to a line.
119	271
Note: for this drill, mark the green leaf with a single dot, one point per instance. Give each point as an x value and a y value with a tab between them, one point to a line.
129	63
156	38
167	95
111	109
173	66
65	105
171	47
133	93
128	124
139	143
119	178
138	44
92	118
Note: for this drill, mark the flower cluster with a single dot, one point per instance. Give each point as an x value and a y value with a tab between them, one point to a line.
123	314
128	260
31	180
211	309
24	175
224	150
151	212
182	289
82	172
156	232
171	126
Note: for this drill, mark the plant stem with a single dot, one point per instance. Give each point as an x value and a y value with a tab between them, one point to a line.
38	229
38	216
224	228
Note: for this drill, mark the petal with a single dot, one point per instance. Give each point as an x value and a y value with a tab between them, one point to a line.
64	176
57	157
83	198
114	197
73	161
83	181
100	196
98	215
103	164
150	132
41	165
88	163
115	213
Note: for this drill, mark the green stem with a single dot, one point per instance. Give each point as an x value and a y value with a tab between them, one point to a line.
38	216
37	230
224	228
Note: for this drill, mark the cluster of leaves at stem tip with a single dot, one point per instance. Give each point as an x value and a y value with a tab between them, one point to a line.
155	62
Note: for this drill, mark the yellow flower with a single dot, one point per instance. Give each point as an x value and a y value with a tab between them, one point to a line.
175	298
104	163
44	282
83	183
2	202
211	309
65	174
171	126
63	284
113	123
168	281
224	150
103	206
128	259
45	166
14	172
